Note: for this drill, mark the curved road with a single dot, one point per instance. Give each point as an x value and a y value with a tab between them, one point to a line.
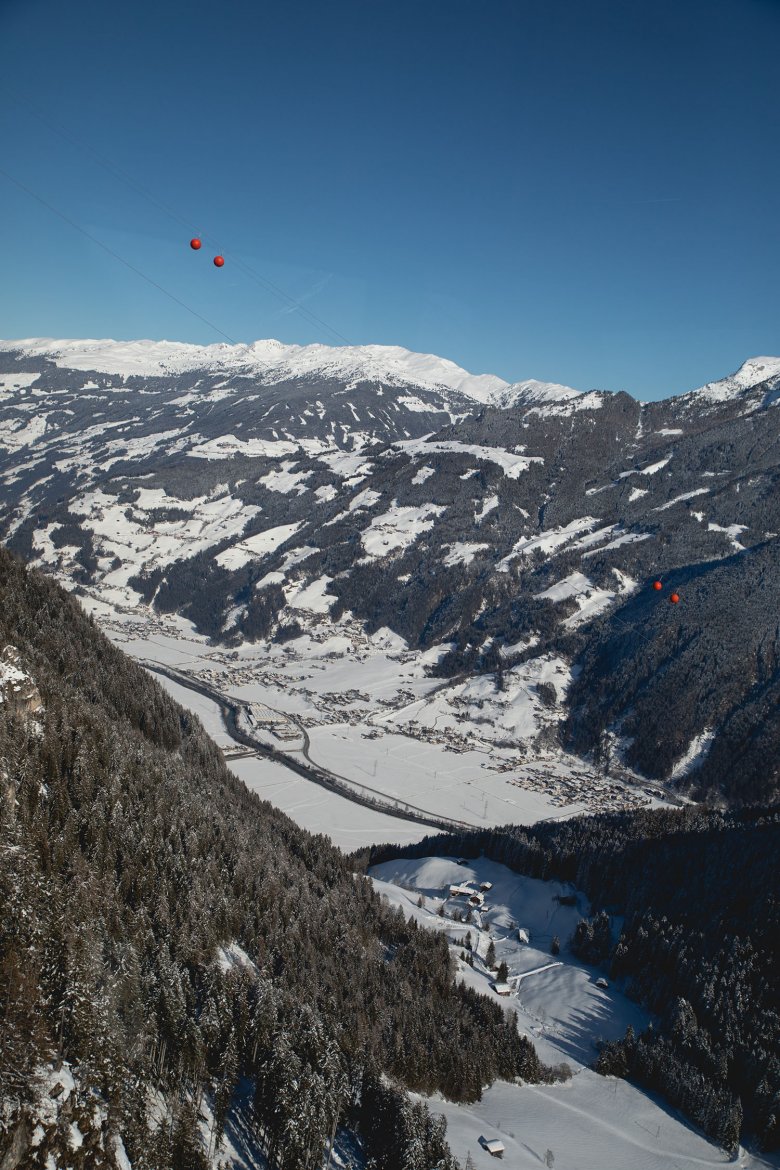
230	709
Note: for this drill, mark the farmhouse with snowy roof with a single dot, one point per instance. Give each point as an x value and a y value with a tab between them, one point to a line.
493	1146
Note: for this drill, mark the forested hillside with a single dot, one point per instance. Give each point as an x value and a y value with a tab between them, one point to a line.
697	941
167	937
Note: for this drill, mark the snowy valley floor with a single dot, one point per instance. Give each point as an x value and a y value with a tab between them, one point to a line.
375	717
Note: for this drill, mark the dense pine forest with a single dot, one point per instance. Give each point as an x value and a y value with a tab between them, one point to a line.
697	941
131	862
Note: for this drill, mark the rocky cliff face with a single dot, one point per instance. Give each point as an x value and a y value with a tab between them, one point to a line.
18	692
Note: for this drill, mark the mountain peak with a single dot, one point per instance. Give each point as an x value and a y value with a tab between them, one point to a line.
751	373
536	393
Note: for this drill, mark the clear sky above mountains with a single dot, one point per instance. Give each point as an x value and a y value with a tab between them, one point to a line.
581	192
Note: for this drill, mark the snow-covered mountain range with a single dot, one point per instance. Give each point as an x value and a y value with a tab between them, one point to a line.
508	533
272	361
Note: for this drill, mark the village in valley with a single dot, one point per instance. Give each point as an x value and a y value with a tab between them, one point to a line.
372	691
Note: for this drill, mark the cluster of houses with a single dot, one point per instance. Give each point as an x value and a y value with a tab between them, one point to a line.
341	698
595	793
447	737
475	894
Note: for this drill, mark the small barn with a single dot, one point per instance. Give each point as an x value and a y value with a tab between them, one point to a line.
485	886
494	1147
523	935
501	988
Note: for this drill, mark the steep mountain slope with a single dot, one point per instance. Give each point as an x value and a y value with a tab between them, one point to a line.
500	524
172	948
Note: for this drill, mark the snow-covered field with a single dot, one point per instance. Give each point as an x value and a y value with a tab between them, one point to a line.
349	825
590	1122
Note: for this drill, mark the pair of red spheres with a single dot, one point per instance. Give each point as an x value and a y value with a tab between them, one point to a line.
673	597
196	244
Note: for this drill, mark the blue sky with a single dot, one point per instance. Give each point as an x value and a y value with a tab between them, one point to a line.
583	191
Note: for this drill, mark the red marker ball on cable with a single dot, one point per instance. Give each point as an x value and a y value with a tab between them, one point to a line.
657	585
219	261
675	597
195	244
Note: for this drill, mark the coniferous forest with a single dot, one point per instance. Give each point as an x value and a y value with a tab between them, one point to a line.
698	942
129	856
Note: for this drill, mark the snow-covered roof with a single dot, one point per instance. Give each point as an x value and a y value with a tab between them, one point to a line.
494	1146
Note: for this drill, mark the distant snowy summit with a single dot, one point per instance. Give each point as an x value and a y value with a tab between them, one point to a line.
273	361
754	372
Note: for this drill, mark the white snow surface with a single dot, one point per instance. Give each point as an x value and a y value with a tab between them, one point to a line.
256	547
568	587
11	677
652	468
462	553
423	474
549	541
623	538
17	381
398	528
590	600
679	499
16	433
510	462
695	755
731	530
232	956
273	361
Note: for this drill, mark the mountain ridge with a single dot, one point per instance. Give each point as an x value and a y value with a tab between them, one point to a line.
257	510
149	357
